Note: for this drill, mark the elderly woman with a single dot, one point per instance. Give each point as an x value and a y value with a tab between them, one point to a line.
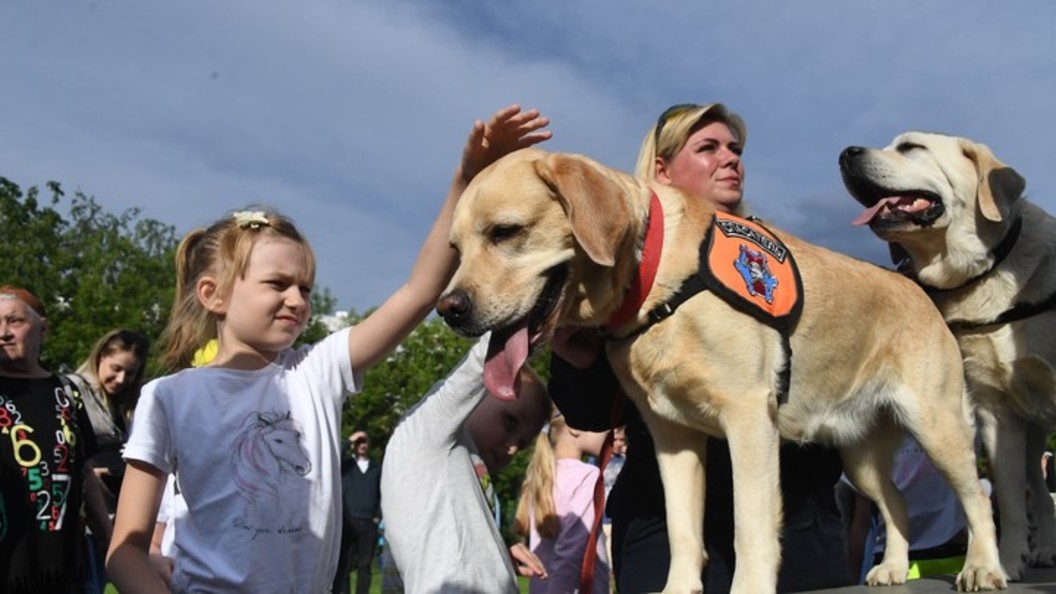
43	475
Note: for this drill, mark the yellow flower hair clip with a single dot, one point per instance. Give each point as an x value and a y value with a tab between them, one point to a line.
252	219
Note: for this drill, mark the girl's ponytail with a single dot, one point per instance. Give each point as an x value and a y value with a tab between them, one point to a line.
190	324
537	490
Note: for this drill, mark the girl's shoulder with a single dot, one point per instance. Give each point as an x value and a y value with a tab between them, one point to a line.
179	380
573	470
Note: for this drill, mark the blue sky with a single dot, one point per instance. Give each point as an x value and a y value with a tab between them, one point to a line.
350	116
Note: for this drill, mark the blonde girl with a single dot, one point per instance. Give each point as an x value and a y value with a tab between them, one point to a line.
556	509
254	436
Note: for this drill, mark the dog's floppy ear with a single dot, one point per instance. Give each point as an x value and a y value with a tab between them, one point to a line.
999	184
594	204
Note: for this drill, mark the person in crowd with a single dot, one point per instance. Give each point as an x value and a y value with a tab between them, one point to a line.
44	474
556	509
108	381
436	482
619	456
249	435
696	148
938	534
1048	471
361	512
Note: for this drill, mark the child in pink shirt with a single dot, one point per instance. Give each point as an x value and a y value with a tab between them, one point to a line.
556	510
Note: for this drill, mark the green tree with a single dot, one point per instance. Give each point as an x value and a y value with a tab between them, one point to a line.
323	303
93	270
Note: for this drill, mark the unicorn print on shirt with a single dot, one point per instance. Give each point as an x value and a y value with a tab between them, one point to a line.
268	463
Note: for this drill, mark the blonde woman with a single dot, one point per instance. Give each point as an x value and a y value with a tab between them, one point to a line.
109	380
698	148
556	509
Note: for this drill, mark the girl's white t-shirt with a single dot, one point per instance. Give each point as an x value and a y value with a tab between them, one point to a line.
257	456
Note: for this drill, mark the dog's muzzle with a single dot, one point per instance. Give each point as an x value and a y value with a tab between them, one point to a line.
886	208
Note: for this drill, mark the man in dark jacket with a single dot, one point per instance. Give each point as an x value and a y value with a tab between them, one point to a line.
361	512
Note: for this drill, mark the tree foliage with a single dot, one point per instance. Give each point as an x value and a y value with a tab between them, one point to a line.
93	270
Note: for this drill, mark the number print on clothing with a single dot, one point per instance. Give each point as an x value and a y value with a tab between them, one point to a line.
20	441
43	448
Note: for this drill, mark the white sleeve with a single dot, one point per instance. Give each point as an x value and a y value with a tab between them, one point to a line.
149	440
328	363
450	401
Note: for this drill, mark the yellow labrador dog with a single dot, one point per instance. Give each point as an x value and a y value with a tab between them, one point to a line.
987	257
549	240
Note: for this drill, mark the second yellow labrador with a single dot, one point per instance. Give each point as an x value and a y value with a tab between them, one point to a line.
553	240
987	256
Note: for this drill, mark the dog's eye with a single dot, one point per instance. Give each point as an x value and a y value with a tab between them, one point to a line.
500	233
905	147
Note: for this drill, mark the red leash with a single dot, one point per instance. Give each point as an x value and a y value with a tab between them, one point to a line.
632	302
590	554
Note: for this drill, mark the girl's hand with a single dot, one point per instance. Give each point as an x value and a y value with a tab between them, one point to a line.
508	130
526	562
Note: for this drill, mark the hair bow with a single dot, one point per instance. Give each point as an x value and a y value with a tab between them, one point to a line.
252	219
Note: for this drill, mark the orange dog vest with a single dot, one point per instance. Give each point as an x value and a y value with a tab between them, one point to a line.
749	267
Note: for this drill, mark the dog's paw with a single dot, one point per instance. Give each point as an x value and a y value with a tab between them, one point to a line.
1043	556
887	574
973	579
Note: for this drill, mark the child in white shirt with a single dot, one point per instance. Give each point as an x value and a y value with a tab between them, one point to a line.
438	463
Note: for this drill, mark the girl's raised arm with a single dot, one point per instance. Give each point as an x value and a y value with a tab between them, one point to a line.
128	560
375	337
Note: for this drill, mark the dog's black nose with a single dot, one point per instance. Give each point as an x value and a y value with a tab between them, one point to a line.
454	307
850	153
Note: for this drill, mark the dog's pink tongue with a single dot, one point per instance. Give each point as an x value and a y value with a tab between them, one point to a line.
507	352
871	212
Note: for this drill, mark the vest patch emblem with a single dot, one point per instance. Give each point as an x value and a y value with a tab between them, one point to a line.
756	274
752	269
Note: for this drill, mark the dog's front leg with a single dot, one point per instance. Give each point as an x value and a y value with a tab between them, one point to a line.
757	509
1004	437
680	453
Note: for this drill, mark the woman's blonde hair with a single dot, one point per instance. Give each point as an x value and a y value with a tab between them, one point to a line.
537	490
674	127
119	340
222	250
